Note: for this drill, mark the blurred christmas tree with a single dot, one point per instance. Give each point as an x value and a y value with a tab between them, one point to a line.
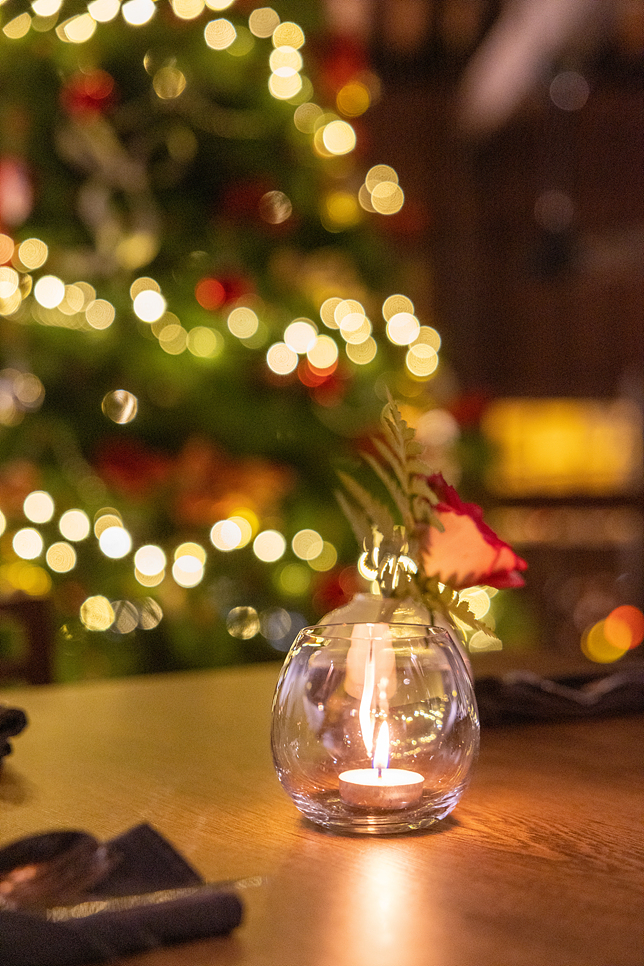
199	313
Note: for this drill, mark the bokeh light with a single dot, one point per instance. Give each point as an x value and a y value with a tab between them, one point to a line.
306	117
387	198
46	8
288	34
150	614
269	546
295	579
301	335
364	352
173	339
191	549
120	406
100	314
126	616
307	544
569	90
480	641
188	9
403	328
96	613
327	311
421	360
38	506
106	517
340	210
149	305
281	359
61	557
324	354
326	559
245	525
170	82
188	570
243	623
115	542
150	560
204	342
7	248
220	34
18	27
624	627
243	322
49	291
355	328
78	30
263	21
283	88
596	646
26	577
226	535
74	525
210	293
379	174
104	10
275	625
275	207
9	280
395	304
285	61
33	253
138	12
353	99
339	137
149	580
28	543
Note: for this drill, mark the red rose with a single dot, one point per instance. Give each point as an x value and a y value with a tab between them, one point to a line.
467	551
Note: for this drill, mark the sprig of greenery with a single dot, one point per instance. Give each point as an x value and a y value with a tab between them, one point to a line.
405	477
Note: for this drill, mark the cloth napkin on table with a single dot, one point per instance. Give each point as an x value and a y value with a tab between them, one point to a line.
521	696
144	862
12	722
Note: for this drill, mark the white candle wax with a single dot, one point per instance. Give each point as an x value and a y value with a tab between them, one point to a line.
381	787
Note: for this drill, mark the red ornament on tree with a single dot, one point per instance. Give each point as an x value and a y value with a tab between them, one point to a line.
88	93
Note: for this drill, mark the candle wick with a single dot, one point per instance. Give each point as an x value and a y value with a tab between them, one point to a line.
379	771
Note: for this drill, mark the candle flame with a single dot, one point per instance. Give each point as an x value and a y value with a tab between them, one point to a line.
371	676
381	754
367	722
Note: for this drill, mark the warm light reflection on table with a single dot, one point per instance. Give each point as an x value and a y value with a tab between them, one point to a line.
539	865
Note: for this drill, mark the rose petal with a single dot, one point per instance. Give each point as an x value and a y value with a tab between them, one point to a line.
467	551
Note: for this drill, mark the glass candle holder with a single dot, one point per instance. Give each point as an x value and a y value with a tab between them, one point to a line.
375	726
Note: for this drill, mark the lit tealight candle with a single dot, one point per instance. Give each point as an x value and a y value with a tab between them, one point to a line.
380	786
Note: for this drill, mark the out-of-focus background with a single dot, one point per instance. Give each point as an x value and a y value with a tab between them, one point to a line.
227	230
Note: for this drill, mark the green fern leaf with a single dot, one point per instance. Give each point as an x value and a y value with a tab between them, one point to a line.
375	511
420	487
393	460
393	489
358	521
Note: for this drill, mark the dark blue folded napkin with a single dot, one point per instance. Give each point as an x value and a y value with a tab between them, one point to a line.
171	905
521	696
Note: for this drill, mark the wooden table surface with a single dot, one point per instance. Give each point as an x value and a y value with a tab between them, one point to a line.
541	864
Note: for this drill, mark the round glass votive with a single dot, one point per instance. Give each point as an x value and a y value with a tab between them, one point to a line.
375	726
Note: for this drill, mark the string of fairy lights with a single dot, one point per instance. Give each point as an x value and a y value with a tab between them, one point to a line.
310	347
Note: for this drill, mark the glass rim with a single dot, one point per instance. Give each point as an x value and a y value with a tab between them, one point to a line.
402	624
